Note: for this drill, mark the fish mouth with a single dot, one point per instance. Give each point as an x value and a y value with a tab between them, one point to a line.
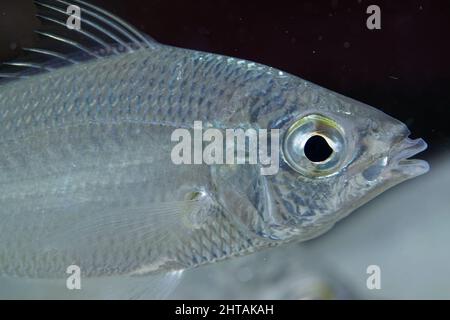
400	158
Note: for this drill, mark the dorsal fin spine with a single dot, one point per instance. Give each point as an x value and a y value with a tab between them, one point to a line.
102	27
70	42
94	25
50	53
27	65
140	37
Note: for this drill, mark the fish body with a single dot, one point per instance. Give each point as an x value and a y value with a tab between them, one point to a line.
86	176
96	137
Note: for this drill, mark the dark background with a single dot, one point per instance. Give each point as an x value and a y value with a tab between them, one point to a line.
402	69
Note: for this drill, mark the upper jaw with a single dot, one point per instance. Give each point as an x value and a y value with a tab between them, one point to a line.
399	158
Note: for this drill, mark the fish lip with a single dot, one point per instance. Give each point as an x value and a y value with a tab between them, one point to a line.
400	157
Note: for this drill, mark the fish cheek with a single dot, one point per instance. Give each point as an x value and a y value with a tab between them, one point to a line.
241	191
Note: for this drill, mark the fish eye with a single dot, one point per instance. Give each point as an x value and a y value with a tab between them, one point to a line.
317	149
314	145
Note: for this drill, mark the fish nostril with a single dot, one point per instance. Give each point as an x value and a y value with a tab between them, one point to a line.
374	171
193	195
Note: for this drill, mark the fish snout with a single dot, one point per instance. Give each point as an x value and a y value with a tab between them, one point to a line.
399	157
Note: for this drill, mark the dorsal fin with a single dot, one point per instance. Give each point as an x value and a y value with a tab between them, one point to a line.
101	34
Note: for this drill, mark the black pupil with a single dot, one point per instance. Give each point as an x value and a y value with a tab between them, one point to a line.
317	149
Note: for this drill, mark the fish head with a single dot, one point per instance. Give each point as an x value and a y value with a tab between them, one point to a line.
336	154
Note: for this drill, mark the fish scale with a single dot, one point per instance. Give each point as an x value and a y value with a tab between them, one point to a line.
86	170
80	99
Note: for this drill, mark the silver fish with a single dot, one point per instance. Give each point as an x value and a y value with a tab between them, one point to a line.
86	176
